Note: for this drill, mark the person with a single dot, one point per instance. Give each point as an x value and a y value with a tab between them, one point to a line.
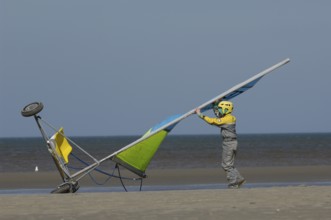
227	123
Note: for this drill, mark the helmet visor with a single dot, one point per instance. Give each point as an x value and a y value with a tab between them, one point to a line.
223	111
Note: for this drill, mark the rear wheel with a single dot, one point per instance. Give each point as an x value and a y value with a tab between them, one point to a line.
32	109
66	188
62	189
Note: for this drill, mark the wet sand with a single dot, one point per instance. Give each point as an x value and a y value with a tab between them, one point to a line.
173	177
303	201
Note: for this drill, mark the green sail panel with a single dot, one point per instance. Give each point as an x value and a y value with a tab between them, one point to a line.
138	157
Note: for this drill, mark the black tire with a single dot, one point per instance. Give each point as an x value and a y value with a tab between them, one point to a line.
74	187
66	188
62	189
32	109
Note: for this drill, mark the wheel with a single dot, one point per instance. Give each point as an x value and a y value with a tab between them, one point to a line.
32	109
62	189
74	187
66	188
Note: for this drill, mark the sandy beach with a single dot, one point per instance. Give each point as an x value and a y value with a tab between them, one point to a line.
257	203
295	201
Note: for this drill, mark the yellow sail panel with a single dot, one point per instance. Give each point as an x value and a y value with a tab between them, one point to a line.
63	148
138	157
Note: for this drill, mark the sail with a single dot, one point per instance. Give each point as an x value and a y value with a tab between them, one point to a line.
232	94
138	156
143	149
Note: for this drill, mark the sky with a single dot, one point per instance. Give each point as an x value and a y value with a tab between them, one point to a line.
106	68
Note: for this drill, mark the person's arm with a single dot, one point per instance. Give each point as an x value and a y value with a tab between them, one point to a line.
198	112
212	121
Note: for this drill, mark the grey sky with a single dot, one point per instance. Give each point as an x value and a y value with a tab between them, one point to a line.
119	67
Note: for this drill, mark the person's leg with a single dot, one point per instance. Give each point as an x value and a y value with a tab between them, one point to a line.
232	174
228	164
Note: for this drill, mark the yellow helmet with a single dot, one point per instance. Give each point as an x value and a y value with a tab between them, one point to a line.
225	107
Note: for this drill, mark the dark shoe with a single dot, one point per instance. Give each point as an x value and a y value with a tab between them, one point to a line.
236	185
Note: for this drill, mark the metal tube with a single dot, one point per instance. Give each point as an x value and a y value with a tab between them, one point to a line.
43	133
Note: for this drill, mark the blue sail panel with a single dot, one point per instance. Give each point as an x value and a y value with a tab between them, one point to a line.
233	94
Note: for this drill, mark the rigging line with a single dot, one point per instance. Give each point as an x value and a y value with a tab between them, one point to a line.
121	178
119	173
101	171
43	133
97	183
74	143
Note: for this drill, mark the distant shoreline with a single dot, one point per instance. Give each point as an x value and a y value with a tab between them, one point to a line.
172	134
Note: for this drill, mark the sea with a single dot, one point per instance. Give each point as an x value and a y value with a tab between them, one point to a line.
178	151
